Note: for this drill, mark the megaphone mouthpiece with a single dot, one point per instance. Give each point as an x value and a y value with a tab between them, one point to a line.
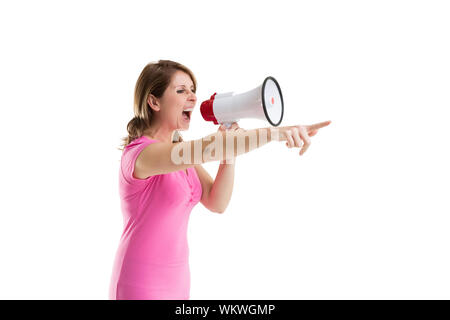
206	109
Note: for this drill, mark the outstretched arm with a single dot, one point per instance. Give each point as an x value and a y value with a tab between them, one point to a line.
161	158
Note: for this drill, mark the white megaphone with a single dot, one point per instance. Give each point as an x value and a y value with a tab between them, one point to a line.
265	102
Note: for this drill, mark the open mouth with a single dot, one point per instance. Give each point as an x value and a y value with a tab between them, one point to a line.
187	115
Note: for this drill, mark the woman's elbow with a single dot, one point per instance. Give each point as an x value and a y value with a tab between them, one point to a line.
213	206
219	210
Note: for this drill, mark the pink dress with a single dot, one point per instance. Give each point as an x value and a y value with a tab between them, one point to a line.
152	260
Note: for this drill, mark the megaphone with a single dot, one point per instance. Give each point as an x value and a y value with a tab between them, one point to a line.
265	102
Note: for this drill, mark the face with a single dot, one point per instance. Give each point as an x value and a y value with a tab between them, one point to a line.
178	101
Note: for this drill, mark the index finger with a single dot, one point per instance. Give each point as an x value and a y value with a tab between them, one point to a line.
318	125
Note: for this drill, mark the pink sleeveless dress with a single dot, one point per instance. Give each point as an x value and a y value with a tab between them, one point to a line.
152	260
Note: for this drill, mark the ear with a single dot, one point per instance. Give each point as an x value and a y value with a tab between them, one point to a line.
153	102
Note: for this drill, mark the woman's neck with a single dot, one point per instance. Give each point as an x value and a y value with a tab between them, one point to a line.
159	132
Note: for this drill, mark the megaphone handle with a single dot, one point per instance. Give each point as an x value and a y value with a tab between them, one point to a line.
227	124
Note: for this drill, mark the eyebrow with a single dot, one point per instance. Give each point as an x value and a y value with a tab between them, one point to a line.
182	85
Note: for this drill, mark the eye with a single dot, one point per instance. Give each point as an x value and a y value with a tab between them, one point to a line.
182	90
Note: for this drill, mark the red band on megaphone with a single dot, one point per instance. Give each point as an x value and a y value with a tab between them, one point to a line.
206	109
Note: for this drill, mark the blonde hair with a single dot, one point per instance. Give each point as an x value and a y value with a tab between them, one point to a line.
154	79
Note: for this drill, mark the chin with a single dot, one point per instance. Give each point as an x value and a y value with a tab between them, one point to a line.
183	128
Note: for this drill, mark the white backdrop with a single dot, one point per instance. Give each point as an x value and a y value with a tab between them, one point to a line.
364	214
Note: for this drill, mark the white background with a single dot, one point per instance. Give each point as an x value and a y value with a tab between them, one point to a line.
364	214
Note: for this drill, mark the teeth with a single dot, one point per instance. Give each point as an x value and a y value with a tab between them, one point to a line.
188	109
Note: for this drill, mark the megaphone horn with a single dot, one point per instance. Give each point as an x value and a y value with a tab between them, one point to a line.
265	102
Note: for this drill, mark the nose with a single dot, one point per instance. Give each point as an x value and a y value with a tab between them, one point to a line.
193	97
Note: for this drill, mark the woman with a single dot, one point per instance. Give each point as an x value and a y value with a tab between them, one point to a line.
157	193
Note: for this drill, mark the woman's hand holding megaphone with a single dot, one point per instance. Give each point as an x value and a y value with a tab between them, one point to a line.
299	136
234	127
